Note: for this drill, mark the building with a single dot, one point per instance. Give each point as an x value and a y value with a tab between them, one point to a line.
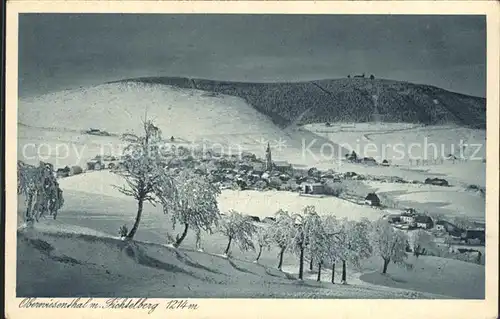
448	227
368	161
436	181
408	218
471	235
392	218
312	188
63	172
372	199
440	226
424	222
282	166
269	220
258	168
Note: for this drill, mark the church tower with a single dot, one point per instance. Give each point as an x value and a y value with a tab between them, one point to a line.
269	160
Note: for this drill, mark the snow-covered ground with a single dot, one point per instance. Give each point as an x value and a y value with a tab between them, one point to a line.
256	203
449	277
83	265
263	204
450	201
92	222
398	142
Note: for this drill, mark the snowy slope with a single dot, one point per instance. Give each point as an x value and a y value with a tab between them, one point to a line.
450	277
101	215
83	265
220	122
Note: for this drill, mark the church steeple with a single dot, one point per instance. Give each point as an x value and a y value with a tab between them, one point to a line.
269	160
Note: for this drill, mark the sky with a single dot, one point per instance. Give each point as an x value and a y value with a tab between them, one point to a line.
64	51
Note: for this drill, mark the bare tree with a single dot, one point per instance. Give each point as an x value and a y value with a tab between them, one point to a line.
388	243
307	226
282	233
193	204
263	240
355	238
334	252
421	242
238	228
144	173
317	243
463	222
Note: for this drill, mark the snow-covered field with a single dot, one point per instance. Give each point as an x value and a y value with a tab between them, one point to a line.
256	203
103	267
108	266
398	142
263	204
452	201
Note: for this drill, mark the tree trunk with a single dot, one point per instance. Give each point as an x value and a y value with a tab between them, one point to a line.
333	273
29	207
386	263
311	264
301	263
416	251
260	252
319	272
344	273
228	246
282	252
180	239
137	219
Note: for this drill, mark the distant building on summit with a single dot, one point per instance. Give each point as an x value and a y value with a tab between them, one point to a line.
269	160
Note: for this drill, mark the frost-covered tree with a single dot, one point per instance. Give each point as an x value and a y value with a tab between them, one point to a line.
316	239
307	229
421	242
238	228
263	240
388	243
335	250
299	241
40	189
463	222
193	204
435	216
144	173
282	232
355	239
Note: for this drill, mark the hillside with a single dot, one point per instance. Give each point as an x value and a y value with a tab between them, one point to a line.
225	123
346	100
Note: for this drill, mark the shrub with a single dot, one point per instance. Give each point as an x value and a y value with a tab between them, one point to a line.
287	187
260	184
275	182
334	189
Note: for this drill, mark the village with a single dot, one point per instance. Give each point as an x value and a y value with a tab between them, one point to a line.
246	171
